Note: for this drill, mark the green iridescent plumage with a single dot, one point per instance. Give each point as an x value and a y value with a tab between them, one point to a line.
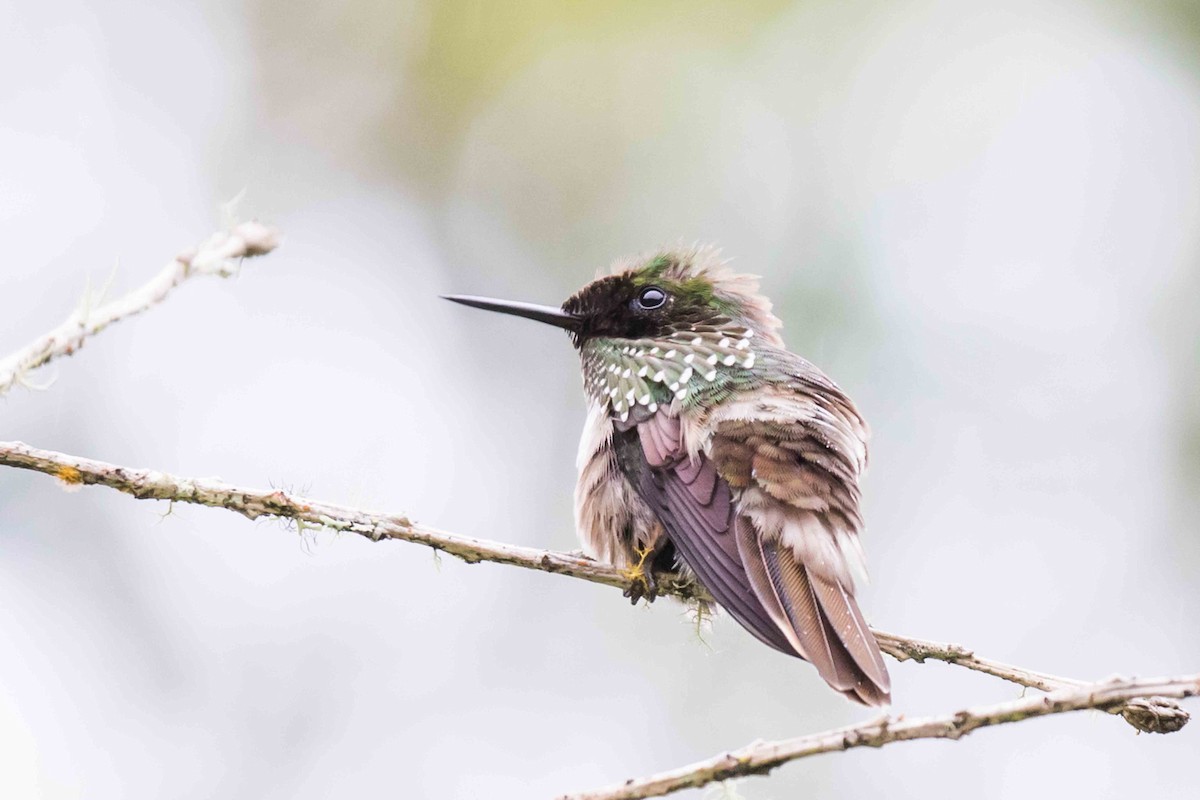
690	366
698	348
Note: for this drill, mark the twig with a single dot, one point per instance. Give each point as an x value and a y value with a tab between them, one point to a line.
903	648
1147	714
760	758
255	503
218	256
1158	715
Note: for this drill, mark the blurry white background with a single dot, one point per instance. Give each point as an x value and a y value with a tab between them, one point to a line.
981	221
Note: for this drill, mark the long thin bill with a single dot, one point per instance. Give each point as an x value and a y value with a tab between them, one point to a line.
547	314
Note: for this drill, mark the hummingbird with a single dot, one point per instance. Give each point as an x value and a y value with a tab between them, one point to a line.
711	449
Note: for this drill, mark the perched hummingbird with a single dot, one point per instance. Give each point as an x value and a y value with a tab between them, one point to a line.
709	447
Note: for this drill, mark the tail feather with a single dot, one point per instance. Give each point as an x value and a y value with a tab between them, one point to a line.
843	616
792	587
820	619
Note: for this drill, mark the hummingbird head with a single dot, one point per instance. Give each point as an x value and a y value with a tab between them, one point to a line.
677	325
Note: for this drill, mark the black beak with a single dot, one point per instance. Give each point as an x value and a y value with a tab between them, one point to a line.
548	314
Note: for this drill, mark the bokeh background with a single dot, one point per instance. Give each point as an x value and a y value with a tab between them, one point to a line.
980	218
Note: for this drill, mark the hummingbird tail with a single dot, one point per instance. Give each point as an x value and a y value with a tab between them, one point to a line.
844	623
821	620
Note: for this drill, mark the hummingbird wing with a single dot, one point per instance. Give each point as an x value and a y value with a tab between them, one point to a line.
768	521
793	452
695	507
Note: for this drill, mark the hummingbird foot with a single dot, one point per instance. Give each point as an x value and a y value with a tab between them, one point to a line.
642	582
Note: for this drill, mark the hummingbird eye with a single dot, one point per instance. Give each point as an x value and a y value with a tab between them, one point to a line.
650	298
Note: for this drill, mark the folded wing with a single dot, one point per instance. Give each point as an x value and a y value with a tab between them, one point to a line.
777	566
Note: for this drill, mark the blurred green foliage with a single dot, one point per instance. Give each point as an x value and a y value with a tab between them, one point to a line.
423	70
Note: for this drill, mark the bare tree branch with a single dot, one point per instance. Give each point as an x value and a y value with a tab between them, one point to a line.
761	757
1157	715
217	256
255	503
